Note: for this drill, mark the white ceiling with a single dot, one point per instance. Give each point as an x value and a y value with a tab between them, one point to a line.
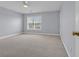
34	6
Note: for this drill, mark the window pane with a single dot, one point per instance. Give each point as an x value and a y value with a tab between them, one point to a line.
31	25
37	25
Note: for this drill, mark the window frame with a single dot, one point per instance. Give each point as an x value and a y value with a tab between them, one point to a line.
34	23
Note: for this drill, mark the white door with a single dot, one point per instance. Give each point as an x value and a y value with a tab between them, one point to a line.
77	28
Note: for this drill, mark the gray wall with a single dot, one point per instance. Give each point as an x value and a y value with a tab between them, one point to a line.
50	22
77	28
67	26
10	22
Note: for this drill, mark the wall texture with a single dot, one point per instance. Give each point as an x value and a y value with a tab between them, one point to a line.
50	22
10	22
67	25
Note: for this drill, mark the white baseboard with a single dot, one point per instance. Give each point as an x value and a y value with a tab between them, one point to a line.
41	33
7	36
65	47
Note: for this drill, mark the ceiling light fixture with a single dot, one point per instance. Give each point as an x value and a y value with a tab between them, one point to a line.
25	4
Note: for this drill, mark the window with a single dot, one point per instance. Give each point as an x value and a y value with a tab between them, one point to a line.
33	22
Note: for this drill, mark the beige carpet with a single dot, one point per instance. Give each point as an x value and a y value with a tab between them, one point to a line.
28	45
